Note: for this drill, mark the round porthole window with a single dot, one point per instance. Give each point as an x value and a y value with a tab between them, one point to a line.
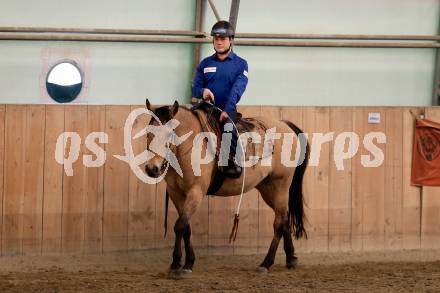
64	82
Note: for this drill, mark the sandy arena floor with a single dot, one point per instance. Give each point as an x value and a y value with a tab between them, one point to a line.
410	271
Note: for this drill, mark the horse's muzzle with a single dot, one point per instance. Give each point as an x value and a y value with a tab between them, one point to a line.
152	171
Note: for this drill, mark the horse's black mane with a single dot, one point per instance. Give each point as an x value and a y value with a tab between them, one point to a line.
244	124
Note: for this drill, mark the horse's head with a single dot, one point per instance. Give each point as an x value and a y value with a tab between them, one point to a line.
158	141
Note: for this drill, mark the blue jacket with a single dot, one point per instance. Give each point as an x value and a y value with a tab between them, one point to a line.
226	79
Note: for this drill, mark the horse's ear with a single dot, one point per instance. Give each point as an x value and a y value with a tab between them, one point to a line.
174	109
148	104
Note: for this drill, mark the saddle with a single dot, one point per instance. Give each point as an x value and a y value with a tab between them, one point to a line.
208	117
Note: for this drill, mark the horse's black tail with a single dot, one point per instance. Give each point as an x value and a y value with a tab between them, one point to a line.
296	200
165	224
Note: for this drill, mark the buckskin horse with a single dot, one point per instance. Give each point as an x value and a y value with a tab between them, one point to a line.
279	186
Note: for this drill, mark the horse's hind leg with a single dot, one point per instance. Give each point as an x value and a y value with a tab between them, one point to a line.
276	196
291	260
278	227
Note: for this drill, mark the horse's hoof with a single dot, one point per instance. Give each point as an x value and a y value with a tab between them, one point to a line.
186	271
262	270
175	274
292	264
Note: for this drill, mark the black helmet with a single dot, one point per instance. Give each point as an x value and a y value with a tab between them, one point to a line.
222	28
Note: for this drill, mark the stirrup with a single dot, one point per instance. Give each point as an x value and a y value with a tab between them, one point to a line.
233	170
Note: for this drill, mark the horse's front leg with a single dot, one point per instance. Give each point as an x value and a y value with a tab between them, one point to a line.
190	257
179	229
182	229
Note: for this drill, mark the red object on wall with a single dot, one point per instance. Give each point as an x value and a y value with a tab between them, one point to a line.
426	153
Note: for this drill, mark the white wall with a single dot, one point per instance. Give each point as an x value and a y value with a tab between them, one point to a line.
336	76
126	73
115	73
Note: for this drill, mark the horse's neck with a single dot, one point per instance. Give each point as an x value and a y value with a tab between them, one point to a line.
188	122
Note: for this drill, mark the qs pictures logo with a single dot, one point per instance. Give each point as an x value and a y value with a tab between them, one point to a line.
345	146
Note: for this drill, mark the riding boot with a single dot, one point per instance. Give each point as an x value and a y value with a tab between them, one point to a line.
233	169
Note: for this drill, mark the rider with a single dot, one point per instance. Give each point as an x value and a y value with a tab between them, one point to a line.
222	79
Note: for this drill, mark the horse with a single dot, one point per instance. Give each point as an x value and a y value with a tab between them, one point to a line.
279	186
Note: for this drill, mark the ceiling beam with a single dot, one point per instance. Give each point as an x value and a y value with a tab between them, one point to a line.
214	9
233	14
